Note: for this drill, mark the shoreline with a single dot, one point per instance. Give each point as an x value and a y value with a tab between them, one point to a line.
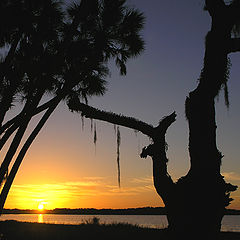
93	211
11	229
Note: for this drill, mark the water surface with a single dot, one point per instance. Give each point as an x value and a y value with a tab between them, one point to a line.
229	223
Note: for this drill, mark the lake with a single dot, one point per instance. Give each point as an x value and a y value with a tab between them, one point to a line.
229	223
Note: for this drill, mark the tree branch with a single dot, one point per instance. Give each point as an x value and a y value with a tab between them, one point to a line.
162	181
233	45
7	134
129	122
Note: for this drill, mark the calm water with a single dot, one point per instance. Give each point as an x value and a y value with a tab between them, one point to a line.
229	223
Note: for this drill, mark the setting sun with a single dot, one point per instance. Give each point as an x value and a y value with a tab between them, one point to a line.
40	206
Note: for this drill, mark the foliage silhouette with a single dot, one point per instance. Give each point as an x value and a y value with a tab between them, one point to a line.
60	51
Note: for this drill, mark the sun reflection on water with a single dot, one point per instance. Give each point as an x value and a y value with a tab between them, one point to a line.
40	218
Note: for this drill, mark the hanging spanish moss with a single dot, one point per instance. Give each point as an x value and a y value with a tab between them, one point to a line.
226	95
91	124
136	132
118	155
139	146
95	136
137	136
82	117
226	78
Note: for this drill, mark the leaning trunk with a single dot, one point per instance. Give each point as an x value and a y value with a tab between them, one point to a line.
23	152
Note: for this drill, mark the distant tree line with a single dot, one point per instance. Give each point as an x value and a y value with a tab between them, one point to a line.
94	211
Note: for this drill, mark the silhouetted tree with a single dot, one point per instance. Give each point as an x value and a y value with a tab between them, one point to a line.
63	51
195	203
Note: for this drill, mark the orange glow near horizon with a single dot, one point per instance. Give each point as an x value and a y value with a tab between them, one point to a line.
37	196
57	176
88	192
91	193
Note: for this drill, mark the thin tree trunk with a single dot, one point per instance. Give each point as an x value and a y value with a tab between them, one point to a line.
32	104
7	134
23	152
13	148
17	119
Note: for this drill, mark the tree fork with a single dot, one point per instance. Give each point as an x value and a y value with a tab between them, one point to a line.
162	180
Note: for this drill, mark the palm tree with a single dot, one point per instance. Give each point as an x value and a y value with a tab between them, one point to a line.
19	73
65	52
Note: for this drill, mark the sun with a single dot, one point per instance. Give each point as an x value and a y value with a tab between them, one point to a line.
40	206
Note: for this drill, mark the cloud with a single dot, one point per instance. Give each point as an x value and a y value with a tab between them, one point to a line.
231	176
62	190
135	187
147	180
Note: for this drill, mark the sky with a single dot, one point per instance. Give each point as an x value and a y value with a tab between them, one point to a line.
64	169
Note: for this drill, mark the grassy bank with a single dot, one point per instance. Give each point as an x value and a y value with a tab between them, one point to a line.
38	231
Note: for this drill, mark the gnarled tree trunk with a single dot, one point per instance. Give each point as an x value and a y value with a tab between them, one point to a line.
196	202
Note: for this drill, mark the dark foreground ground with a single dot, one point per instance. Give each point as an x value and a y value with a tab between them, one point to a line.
38	231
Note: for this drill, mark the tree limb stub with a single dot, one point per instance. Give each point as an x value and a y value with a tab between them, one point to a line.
165	123
234	45
163	182
214	6
158	148
234	8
